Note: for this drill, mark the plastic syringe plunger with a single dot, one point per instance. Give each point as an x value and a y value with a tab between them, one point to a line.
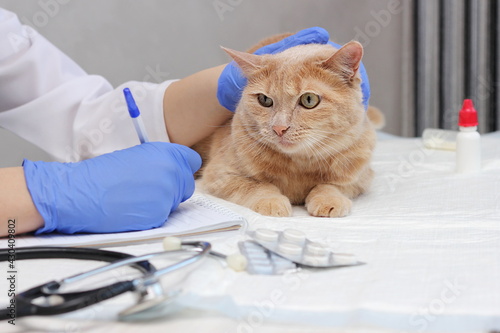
468	140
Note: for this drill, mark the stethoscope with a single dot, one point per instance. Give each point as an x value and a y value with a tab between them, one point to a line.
48	299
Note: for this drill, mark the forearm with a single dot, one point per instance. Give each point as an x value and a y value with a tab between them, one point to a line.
191	108
16	203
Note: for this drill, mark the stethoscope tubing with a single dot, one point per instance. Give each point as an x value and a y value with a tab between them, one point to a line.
48	252
72	301
201	248
67	302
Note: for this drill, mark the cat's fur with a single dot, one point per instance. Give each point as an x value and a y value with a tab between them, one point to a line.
270	158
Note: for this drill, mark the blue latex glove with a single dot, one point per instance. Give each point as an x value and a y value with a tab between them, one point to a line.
231	81
131	189
365	83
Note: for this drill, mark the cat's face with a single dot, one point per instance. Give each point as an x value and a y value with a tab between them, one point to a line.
305	100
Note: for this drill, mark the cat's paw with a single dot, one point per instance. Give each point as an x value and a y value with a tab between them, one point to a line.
273	206
329	206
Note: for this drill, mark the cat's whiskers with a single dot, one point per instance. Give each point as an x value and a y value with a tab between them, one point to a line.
323	165
331	150
321	149
248	145
255	148
328	136
255	133
330	133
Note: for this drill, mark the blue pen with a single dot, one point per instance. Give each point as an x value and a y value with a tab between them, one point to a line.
134	112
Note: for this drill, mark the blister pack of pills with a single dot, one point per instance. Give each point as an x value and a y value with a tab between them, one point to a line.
262	261
293	245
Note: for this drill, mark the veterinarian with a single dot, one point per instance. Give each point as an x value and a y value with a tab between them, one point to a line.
111	184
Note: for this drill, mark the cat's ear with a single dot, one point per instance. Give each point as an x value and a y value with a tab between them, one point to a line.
347	59
246	61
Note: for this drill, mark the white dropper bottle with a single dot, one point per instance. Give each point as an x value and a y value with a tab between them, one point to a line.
468	140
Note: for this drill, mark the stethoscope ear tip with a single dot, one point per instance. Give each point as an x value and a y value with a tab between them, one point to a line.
237	262
172	243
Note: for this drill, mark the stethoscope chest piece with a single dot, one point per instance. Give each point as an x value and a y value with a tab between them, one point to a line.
152	301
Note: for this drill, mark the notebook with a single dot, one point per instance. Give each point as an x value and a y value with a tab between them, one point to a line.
196	216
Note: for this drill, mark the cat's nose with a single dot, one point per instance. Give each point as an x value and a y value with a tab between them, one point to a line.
280	130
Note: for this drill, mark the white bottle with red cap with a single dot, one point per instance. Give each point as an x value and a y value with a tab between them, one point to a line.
468	140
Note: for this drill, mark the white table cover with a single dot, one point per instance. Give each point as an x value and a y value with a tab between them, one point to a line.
430	239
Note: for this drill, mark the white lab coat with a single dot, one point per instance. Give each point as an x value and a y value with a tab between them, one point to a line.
49	100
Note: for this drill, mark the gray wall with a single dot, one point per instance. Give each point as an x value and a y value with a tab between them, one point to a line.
155	40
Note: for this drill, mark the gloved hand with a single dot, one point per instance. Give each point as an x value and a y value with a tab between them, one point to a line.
232	81
365	83
131	189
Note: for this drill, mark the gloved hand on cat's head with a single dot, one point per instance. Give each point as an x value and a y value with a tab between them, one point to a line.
130	189
231	81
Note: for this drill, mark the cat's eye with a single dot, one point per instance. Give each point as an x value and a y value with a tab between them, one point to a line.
264	100
309	100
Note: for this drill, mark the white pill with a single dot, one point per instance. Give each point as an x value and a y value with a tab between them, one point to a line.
316	249
266	235
55	300
290	248
294	236
314	260
172	243
237	262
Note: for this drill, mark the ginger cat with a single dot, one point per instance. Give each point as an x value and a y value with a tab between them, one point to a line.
300	134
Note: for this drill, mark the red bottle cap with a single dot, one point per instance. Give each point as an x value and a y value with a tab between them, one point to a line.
468	115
